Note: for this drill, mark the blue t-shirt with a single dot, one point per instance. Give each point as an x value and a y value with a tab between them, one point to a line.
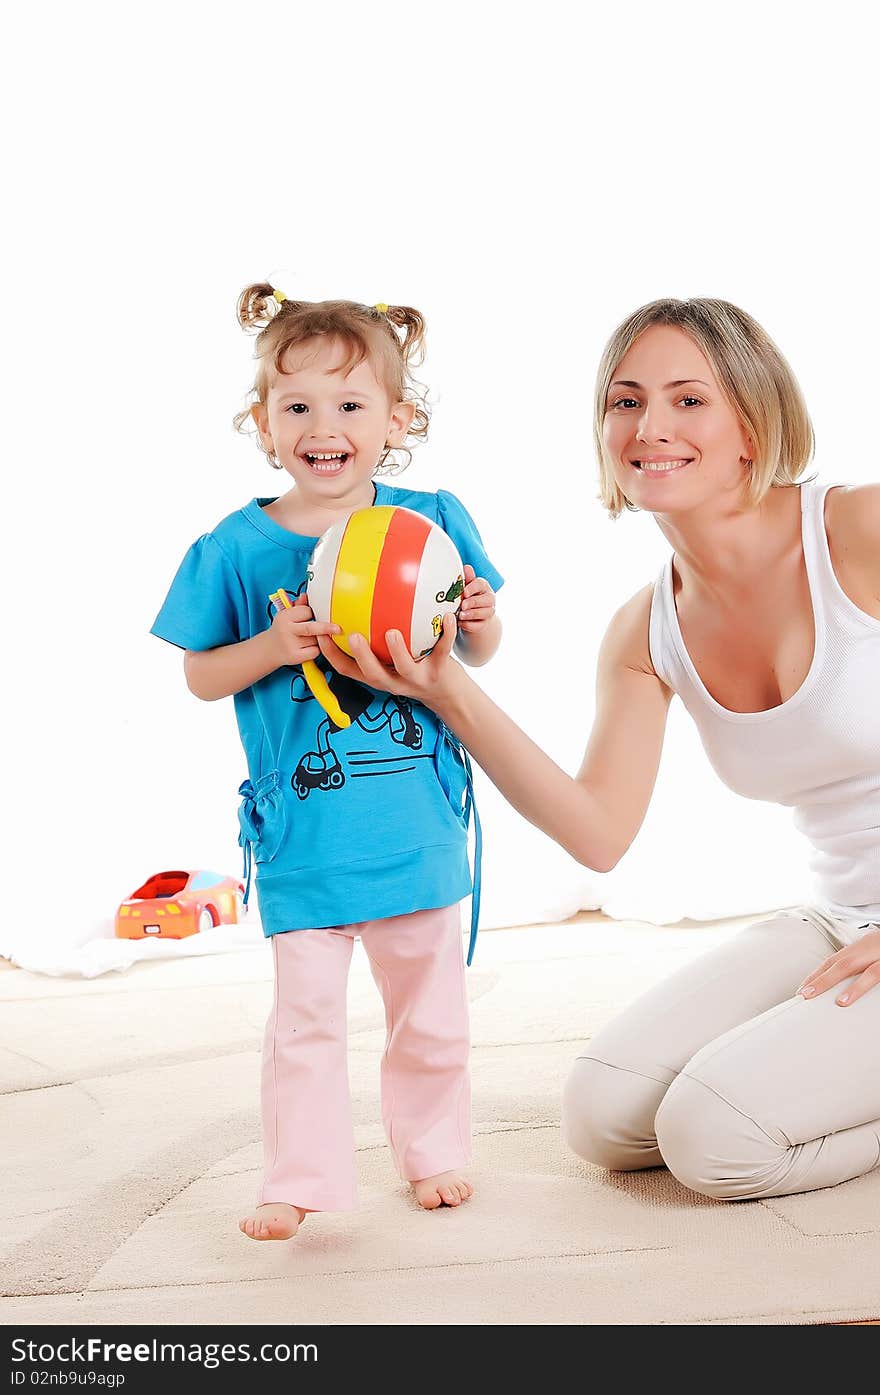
346	824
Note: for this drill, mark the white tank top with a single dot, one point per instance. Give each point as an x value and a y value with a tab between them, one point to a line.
818	752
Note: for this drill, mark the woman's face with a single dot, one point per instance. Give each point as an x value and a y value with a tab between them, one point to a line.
671	434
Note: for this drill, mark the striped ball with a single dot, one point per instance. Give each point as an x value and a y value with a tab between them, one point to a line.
386	568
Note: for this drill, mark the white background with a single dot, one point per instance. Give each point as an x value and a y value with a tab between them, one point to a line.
526	176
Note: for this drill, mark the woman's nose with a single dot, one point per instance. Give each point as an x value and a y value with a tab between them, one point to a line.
653	427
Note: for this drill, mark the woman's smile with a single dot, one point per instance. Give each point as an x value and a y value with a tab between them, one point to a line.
661	464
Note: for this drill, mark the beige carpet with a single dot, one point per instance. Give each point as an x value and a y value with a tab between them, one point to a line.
131	1144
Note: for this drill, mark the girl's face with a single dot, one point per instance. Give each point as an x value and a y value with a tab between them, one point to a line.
672	436
328	427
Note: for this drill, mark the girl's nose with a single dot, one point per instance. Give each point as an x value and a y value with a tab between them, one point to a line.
323	421
322	426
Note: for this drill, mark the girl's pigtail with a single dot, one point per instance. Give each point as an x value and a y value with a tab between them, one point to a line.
258	305
412	351
412	323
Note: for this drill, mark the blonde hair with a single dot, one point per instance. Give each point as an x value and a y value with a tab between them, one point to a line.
757	380
368	332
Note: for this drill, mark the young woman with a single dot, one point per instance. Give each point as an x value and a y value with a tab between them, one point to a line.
741	1073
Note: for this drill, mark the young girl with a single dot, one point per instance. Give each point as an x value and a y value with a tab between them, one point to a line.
357	831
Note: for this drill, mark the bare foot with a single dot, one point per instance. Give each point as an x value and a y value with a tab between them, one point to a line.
273	1221
446	1189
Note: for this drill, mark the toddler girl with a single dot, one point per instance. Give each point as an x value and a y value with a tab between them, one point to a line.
357	831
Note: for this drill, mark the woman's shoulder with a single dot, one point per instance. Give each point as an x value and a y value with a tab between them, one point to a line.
852	516
854	508
627	636
852	527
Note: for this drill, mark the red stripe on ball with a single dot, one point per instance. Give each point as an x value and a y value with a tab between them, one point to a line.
395	588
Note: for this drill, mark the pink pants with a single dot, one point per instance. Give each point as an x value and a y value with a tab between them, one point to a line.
308	1138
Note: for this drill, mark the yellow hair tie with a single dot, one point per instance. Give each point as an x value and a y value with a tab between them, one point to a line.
381	307
279	296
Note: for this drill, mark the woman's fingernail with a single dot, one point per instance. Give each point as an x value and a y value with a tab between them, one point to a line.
807	992
844	998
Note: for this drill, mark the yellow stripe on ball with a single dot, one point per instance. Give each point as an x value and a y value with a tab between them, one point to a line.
356	567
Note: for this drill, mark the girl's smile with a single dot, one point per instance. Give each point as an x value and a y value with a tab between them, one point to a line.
326	462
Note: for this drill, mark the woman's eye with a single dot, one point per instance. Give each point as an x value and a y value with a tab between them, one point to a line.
351	406
691	402
297	407
625	402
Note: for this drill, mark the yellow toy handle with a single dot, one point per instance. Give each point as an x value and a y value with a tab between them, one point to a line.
318	685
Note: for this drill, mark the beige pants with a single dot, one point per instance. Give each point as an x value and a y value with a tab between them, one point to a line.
740	1087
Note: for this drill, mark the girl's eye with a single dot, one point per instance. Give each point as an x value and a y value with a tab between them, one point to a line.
351	406
297	407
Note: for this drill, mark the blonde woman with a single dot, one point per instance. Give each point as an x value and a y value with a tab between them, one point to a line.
743	1072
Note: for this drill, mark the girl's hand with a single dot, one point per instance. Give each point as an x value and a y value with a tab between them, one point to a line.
295	631
428	681
477	602
862	958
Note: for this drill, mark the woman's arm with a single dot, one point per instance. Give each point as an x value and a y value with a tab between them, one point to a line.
595	815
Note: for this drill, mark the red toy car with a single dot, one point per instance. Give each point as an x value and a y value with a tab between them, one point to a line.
172	905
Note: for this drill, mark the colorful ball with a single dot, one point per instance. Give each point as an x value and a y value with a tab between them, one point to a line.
386	568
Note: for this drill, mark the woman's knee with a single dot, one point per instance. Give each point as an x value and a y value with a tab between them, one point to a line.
713	1148
608	1115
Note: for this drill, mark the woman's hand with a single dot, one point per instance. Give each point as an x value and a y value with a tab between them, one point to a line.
430	680
862	958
